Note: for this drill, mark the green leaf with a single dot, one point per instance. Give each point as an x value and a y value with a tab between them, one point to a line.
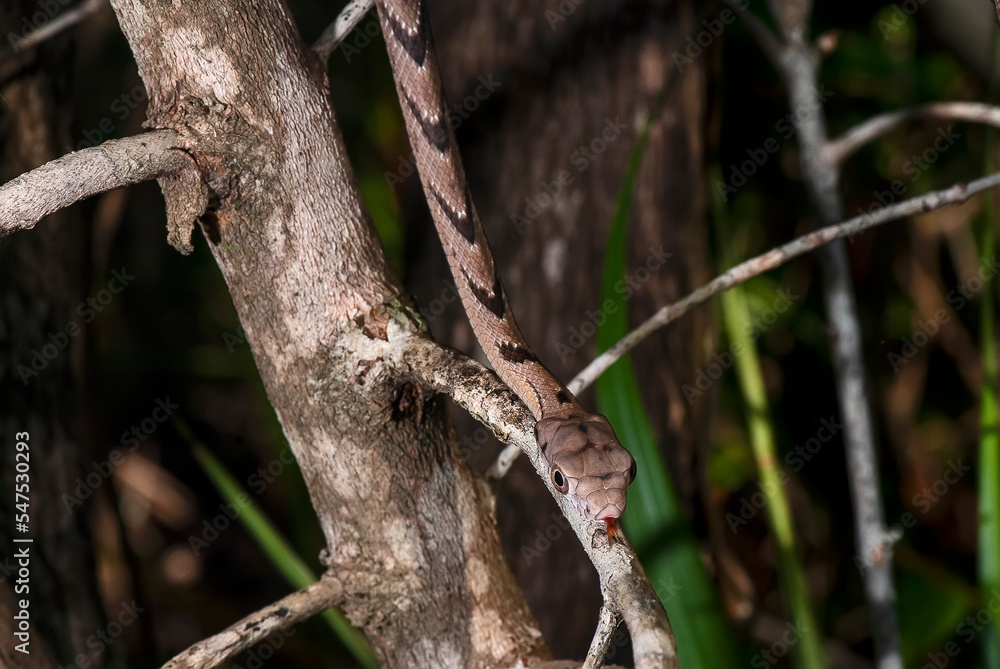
931	604
989	442
274	545
654	520
736	318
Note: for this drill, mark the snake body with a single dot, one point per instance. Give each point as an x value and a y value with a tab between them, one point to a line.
586	461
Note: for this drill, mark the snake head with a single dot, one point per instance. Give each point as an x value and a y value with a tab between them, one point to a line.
587	463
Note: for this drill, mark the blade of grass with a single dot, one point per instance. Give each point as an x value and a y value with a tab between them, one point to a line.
738	326
989	449
989	442
654	519
274	545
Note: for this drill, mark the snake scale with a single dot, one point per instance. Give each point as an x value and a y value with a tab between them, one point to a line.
586	461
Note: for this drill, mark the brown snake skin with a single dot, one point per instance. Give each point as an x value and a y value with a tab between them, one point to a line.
586	461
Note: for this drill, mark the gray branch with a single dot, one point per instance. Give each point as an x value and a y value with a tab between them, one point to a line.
341	27
607	623
283	614
776	257
841	148
747	270
76	176
51	28
627	592
798	65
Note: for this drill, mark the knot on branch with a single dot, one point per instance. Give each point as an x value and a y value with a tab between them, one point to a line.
186	197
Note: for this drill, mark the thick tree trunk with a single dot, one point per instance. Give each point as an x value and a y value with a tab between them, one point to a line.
42	278
407	533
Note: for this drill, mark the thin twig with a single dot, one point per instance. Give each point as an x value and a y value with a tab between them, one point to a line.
53	27
839	149
283	614
748	269
30	197
508	456
341	27
745	271
759	31
607	623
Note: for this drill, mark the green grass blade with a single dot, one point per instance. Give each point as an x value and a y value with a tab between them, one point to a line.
274	545
989	453
738	326
654	520
989	442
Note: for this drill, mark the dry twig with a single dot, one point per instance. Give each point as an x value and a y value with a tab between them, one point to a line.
283	614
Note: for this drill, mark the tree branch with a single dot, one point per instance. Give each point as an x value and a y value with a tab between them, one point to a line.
841	148
798	66
283	614
76	176
626	589
409	534
607	623
776	257
65	20
767	40
339	29
747	270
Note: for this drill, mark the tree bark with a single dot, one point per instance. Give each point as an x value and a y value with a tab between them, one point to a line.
43	275
408	534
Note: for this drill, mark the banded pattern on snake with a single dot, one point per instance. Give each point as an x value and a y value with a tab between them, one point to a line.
586	461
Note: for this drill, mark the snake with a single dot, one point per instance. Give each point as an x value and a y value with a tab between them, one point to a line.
586	462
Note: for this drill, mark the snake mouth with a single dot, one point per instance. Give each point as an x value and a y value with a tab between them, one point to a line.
609	512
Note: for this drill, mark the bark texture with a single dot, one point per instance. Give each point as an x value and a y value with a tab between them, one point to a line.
43	276
413	543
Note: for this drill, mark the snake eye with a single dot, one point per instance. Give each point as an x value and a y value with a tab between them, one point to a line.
633	470
559	481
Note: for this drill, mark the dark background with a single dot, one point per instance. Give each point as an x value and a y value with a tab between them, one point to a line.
172	335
